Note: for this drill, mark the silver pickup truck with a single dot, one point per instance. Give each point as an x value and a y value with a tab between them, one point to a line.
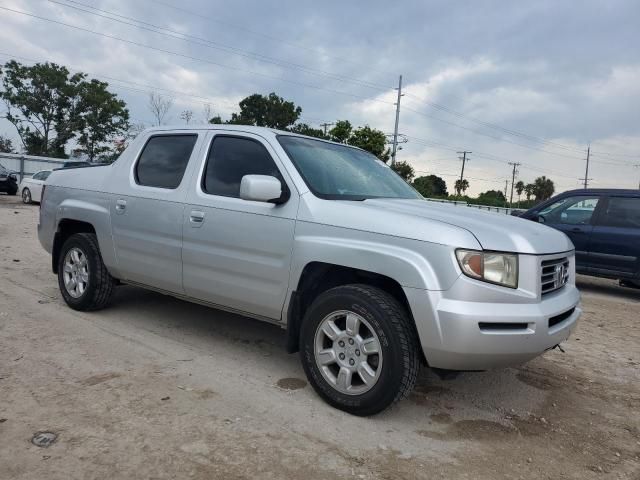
369	280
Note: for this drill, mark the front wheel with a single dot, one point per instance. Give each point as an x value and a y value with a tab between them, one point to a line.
83	278
359	349
26	196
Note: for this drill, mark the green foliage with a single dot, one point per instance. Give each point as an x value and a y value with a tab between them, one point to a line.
461	186
529	189
543	188
404	170
216	120
519	187
431	186
6	145
341	131
371	140
304	129
266	111
49	107
494	198
102	116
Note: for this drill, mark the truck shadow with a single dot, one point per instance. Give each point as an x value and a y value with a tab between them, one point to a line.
605	287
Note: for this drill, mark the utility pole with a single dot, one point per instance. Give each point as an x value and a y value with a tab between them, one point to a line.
395	130
325	125
464	160
506	187
586	173
513	179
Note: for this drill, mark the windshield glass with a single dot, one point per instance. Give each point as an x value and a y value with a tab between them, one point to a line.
337	172
2	169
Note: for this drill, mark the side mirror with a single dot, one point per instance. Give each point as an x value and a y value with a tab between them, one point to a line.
262	188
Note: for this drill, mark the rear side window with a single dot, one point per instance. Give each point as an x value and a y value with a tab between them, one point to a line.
622	212
45	175
163	160
230	159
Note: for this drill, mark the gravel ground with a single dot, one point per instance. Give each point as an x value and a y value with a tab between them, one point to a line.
154	387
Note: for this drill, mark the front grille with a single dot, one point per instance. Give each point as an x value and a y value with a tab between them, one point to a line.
555	274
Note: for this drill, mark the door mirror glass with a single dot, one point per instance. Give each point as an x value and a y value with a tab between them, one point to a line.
261	188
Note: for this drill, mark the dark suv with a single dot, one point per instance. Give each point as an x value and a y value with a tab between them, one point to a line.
604	226
8	181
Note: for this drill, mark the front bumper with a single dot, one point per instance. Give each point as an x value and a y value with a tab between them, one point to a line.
472	335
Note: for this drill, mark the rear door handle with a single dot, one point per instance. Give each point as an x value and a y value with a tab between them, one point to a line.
196	218
577	230
121	206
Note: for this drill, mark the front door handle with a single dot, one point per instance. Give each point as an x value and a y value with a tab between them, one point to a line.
196	218
121	206
577	230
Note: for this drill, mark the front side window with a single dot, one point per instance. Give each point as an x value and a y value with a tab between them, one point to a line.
622	212
231	158
576	210
164	160
339	172
37	176
44	175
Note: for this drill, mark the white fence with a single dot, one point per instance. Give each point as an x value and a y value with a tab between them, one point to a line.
27	165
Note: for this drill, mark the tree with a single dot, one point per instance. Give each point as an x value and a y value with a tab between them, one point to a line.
6	145
102	117
461	186
341	131
519	190
216	120
186	115
371	140
159	107
543	188
404	170
42	102
529	189
304	129
266	111
431	186
494	198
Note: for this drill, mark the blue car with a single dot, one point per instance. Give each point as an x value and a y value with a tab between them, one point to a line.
604	226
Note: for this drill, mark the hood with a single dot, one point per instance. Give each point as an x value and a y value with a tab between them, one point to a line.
494	231
447	224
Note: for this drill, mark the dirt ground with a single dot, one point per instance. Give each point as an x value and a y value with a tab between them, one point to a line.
154	387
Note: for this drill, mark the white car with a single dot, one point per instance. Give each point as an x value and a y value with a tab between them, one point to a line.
31	187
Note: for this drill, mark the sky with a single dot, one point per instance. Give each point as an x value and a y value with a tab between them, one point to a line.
533	83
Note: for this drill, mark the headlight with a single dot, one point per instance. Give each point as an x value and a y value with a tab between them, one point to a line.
492	267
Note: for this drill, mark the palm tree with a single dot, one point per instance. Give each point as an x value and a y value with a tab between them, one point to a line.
543	188
529	189
519	190
461	186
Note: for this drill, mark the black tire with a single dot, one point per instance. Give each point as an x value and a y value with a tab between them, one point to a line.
26	196
100	285
397	337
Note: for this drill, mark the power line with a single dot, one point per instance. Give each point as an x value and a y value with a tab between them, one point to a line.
203	42
196	59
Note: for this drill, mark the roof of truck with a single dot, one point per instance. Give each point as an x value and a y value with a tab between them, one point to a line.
210	126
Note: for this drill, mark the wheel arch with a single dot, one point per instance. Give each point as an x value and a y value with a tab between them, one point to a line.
318	277
66	228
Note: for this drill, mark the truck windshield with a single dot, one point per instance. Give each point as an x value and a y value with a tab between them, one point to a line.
338	172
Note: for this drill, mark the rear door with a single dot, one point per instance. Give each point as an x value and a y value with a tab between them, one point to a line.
574	215
147	210
615	240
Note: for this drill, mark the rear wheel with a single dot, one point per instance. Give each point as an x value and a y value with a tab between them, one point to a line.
26	196
359	349
83	278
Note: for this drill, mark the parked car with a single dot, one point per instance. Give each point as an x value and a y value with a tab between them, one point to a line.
31	187
322	239
604	226
8	181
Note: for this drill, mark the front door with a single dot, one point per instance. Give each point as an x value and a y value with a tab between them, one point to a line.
615	240
573	215
237	253
147	210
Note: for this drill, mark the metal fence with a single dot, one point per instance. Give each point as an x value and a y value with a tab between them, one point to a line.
503	210
27	165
